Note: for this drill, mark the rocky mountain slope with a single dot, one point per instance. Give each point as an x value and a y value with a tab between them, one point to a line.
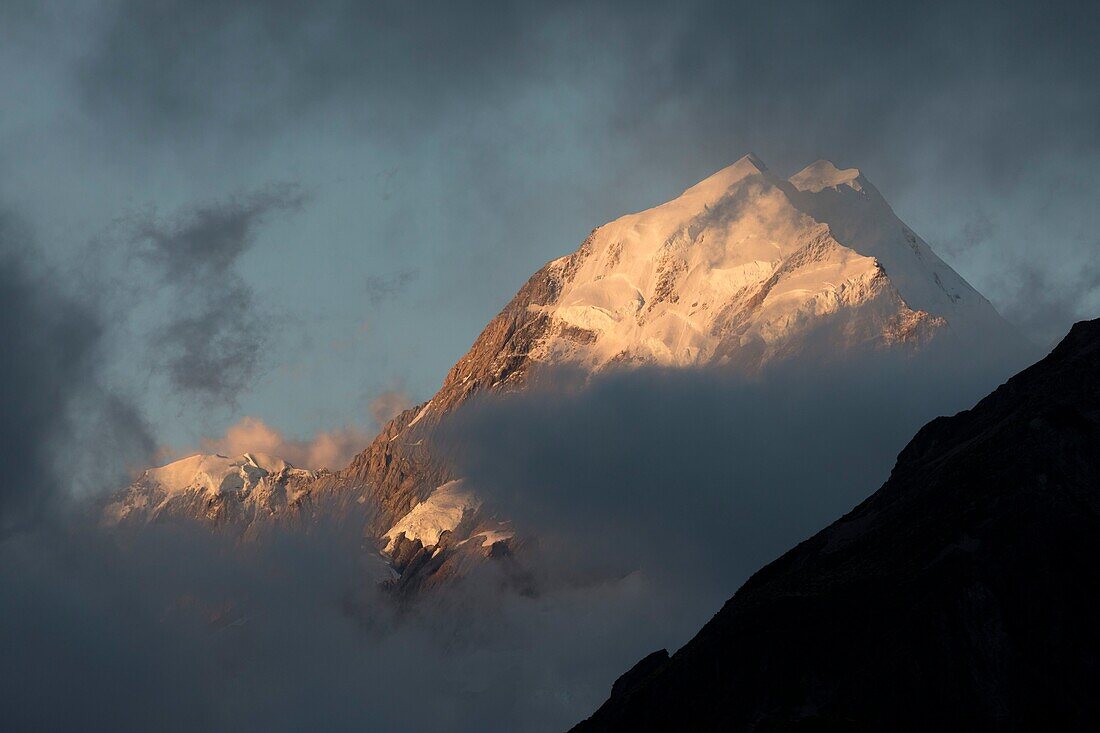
961	595
743	270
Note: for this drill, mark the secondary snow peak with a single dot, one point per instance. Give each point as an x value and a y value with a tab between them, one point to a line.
823	174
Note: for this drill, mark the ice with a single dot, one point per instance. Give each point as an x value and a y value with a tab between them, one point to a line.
441	511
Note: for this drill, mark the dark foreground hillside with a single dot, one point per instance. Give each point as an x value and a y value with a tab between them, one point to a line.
965	593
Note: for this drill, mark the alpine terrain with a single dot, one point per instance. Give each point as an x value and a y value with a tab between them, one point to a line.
741	271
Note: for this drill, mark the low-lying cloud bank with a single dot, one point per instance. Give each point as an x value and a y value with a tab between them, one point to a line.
698	477
653	495
181	631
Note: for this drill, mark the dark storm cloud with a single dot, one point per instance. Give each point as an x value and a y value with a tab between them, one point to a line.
168	66
857	80
211	339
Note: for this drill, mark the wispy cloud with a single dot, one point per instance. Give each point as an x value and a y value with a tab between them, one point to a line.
380	288
331	449
388	405
211	340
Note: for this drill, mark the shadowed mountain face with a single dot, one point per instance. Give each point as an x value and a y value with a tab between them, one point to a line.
962	594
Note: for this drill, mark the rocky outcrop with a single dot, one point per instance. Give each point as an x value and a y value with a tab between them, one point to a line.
960	596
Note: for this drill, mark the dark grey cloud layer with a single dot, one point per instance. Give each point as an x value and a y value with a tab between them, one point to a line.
982	100
246	68
699	477
63	431
179	631
854	76
656	494
49	346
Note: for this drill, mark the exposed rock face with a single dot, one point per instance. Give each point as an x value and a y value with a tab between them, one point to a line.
961	595
742	270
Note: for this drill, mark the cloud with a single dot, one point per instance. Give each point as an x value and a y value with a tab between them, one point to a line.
211	338
388	405
977	230
204	240
1046	302
170	65
62	428
380	288
654	494
181	629
49	343
697	477
331	449
747	73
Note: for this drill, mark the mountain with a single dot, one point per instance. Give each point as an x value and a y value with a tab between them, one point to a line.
215	488
961	595
743	270
740	269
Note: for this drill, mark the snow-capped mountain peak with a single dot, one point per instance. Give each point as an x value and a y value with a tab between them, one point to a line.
823	174
742	266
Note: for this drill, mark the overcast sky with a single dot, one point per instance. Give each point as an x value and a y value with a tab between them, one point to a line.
294	209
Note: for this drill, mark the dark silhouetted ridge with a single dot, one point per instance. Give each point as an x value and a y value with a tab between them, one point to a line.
963	594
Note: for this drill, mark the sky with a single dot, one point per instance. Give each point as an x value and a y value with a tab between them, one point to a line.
363	186
240	225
